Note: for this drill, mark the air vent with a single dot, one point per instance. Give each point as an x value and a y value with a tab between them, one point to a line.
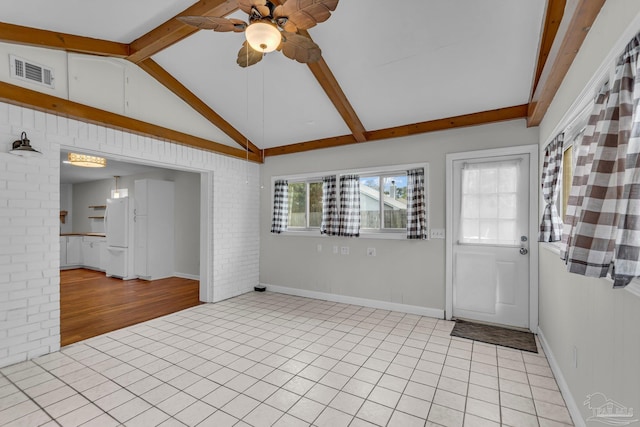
30	71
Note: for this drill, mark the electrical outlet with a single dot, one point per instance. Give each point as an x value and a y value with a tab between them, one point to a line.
437	233
371	251
319	247
344	250
335	249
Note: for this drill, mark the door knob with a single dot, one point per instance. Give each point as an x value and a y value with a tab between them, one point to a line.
523	245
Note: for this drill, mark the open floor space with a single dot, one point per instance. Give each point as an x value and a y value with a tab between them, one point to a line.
263	359
92	304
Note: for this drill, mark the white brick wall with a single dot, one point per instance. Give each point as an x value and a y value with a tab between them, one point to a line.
29	220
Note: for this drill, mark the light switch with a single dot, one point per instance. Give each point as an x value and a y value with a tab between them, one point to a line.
437	233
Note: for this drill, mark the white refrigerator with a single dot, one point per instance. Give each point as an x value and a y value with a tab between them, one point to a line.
116	224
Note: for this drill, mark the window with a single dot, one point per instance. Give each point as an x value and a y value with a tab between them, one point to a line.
382	193
567	175
571	150
383	202
305	204
489	203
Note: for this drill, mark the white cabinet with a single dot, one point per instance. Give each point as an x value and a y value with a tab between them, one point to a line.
63	251
82	251
91	252
74	252
104	255
154	229
141	197
141	265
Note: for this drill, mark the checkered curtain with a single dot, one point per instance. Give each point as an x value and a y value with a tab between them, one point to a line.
586	149
416	206
606	234
330	223
280	206
551	224
349	224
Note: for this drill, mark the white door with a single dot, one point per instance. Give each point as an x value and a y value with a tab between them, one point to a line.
490	256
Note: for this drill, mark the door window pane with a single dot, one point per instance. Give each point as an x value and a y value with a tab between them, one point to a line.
489	203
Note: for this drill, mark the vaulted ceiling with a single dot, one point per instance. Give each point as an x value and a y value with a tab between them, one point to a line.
388	69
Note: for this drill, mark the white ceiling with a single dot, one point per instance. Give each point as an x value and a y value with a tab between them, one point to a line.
397	62
116	20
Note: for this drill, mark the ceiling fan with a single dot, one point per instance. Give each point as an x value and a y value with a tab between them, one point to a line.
272	27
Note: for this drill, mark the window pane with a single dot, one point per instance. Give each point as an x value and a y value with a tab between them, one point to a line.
488	230
508	178
488	180
507	206
297	204
395	201
370	202
489	206
315	204
489	203
567	177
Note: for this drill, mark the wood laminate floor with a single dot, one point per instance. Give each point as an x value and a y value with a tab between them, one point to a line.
92	304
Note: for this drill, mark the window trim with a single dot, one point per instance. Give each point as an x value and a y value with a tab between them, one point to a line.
390	234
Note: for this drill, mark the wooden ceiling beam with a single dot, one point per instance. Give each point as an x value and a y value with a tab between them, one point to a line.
576	22
61	41
23	97
318	144
331	87
171	83
553	17
172	31
474	119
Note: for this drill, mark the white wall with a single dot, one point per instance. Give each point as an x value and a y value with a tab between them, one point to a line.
585	313
29	221
114	85
186	211
404	272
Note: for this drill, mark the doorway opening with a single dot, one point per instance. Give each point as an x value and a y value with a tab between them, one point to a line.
91	302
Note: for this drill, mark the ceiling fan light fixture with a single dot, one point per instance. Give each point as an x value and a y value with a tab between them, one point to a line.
86	161
263	37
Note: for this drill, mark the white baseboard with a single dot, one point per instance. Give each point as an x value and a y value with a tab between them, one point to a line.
572	406
187	276
344	299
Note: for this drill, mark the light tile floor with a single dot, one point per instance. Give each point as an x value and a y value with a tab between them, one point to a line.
265	359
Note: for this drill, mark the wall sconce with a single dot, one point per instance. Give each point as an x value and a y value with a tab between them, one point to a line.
22	147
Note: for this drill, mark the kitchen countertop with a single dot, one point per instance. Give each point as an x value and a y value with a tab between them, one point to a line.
83	234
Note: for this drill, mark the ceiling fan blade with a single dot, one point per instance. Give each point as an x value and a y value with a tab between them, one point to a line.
248	56
245	6
259	5
305	14
214	23
300	48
